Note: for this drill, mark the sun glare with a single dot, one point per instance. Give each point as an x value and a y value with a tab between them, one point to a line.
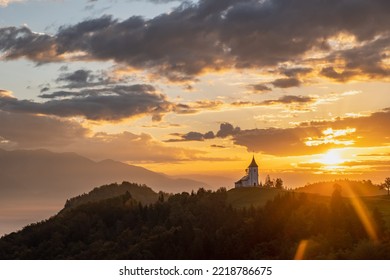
332	157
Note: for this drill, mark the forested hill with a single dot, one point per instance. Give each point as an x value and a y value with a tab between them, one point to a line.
141	193
349	188
202	225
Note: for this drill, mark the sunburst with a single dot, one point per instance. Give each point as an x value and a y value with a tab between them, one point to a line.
332	158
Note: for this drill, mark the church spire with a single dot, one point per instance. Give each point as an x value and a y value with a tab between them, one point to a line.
253	163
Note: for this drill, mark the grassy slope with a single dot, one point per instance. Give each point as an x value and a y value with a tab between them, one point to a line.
251	196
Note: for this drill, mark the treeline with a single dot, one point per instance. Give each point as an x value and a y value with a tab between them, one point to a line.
141	193
202	225
274	183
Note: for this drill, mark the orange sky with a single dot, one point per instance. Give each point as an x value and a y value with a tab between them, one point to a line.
196	89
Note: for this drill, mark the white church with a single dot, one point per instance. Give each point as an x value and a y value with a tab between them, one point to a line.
251	179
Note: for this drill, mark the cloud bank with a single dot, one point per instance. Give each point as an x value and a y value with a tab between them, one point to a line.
306	138
214	35
109	104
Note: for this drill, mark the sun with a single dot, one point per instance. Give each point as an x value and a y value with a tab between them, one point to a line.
332	157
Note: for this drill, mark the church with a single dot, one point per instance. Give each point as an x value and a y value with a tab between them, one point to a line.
251	179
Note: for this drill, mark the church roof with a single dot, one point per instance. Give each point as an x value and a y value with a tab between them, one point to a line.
243	179
253	163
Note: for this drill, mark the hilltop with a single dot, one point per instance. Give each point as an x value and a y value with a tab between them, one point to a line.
141	193
251	196
349	188
237	197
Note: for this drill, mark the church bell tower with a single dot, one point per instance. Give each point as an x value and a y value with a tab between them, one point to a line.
251	179
253	173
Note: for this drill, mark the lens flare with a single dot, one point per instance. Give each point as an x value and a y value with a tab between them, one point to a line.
332	157
364	215
301	250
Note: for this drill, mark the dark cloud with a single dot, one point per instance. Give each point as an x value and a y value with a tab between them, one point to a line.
84	78
212	35
259	88
166	44
79	77
17	42
366	60
225	130
281	30
295	71
290	99
286	83
192	136
343	76
45	89
62	94
291	81
209	135
110	104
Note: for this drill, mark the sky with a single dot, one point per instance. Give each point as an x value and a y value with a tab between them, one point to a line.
195	88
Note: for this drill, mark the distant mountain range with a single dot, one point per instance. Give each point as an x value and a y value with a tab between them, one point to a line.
41	173
40	180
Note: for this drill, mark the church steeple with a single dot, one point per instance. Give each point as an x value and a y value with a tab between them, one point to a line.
253	163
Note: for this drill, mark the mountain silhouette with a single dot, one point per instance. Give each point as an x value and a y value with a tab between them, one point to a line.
44	174
41	181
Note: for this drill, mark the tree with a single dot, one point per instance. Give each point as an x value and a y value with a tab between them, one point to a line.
161	197
268	183
279	183
386	185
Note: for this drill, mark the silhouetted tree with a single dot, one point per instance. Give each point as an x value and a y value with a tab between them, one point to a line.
161	197
268	183
386	185
279	183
